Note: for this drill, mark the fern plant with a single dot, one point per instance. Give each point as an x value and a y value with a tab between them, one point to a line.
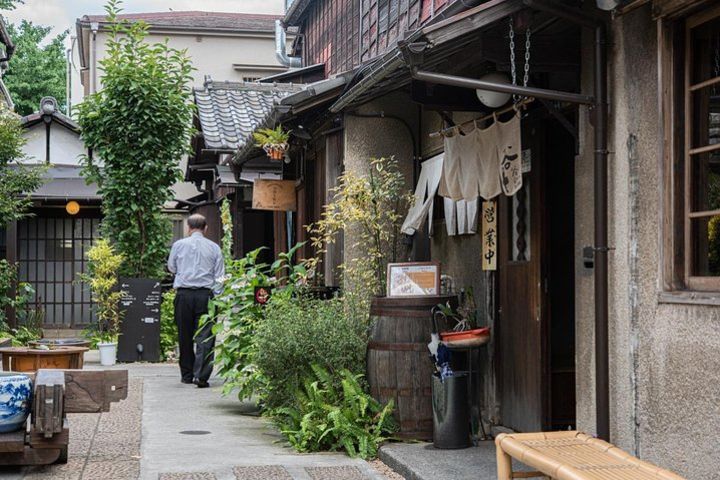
328	417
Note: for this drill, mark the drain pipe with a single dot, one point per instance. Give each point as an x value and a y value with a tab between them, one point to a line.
602	361
281	48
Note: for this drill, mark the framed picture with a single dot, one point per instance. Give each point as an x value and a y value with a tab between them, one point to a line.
413	279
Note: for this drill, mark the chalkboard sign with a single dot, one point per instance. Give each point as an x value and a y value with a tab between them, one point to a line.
140	329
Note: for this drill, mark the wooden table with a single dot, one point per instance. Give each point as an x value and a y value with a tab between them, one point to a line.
24	359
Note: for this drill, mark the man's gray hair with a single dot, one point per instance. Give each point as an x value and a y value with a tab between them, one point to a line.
196	222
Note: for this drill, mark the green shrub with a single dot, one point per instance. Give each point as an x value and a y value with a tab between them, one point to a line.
298	331
168	327
236	316
328	416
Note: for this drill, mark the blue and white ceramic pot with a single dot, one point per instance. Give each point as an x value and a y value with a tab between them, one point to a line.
15	401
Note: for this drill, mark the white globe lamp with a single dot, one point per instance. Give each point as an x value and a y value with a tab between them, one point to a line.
493	99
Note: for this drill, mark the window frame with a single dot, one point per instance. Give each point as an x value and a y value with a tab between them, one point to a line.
691	153
677	285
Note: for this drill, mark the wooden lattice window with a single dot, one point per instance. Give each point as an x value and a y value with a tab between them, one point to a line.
702	151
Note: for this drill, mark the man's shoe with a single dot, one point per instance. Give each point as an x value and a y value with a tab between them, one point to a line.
202	384
187	381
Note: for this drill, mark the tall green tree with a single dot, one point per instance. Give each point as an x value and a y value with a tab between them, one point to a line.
16	180
140	125
37	69
9	4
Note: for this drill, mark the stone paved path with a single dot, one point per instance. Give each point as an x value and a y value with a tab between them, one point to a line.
166	430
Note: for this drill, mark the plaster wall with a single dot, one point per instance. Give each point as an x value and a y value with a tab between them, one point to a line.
65	145
216	55
664	358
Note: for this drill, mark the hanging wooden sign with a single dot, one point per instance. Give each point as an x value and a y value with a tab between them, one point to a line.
276	195
489	235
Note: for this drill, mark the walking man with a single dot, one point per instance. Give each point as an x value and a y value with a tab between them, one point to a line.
198	265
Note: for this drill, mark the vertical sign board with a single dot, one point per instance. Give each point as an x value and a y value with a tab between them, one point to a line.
489	235
140	328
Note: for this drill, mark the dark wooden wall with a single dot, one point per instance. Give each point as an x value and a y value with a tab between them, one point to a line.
343	33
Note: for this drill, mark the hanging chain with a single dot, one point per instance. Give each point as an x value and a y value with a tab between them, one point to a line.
513	71
513	68
526	77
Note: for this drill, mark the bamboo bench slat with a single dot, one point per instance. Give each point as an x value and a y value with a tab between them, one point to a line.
571	456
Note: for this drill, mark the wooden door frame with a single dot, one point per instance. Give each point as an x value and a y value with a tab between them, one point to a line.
538	251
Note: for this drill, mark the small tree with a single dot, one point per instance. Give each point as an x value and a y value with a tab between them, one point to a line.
16	180
369	209
102	278
139	127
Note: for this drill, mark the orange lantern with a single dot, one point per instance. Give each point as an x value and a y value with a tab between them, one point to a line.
72	207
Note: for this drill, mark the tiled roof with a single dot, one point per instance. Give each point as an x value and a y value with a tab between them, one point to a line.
196	19
229	112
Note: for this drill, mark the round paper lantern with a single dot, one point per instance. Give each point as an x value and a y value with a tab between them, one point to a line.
493	99
72	207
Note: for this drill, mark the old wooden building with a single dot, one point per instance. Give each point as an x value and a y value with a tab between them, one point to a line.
604	300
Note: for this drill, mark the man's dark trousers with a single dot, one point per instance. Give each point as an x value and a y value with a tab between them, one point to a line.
190	305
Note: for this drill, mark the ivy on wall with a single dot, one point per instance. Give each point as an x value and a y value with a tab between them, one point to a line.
138	126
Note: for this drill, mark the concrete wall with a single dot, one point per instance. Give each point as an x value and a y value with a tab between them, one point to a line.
665	358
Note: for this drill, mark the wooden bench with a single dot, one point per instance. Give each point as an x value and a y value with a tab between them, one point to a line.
571	456
57	393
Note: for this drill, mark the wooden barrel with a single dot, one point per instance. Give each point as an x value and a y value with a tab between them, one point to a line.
398	363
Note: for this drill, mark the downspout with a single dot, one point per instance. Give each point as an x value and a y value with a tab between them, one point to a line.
93	61
602	361
281	48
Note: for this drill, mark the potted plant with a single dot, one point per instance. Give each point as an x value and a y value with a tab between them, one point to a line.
102	277
273	140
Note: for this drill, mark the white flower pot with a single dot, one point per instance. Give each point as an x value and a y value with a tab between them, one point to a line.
108	353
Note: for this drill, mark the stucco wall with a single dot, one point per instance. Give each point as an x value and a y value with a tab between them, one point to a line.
367	138
664	358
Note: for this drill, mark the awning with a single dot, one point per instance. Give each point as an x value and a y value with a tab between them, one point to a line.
392	70
65	183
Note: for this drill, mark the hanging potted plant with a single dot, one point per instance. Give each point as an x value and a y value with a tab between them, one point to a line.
102	278
273	140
